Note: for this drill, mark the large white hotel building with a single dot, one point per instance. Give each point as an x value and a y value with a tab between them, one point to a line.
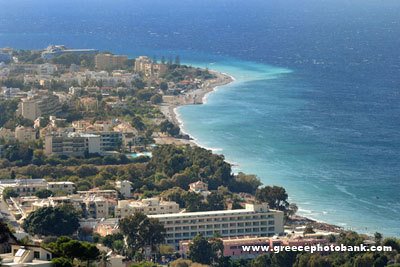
254	220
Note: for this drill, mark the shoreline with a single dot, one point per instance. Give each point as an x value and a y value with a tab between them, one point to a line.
198	97
194	97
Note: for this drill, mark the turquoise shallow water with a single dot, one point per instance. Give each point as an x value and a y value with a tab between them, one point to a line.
257	123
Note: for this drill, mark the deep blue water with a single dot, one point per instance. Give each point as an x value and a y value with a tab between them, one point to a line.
315	106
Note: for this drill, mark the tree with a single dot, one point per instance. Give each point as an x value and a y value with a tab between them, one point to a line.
141	231
8	108
216	201
138	123
378	237
52	221
200	250
170	128
247	183
217	247
314	260
70	249
6	237
275	196
366	259
261	261
9	192
86	170
43	193
104	259
156	99
292	209
61	262
308	230
176	194
164	86
109	240
193	202
283	258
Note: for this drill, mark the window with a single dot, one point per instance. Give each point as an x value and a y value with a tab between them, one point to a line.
36	254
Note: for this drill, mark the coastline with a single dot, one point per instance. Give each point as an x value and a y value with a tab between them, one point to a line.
195	97
198	97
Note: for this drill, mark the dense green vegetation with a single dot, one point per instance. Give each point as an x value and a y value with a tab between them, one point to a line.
178	73
9	192
275	196
72	252
141	232
7	110
6	237
52	221
80	60
205	251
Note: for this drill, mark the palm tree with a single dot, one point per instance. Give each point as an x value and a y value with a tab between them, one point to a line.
104	259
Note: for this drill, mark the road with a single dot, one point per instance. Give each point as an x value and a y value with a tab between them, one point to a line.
6	215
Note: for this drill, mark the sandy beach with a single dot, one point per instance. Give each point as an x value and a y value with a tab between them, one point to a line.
193	97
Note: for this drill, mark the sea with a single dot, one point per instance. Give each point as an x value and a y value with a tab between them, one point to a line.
315	105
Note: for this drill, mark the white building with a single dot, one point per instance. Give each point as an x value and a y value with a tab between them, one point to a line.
107	193
95	207
125	187
47	69
67	187
30	186
39	105
147	206
72	144
254	220
24	186
27	255
199	187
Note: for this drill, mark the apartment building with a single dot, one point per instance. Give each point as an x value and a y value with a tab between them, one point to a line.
147	206
26	187
108	61
254	220
67	187
147	67
72	144
25	134
47	69
39	105
106	193
96	207
109	140
124	187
